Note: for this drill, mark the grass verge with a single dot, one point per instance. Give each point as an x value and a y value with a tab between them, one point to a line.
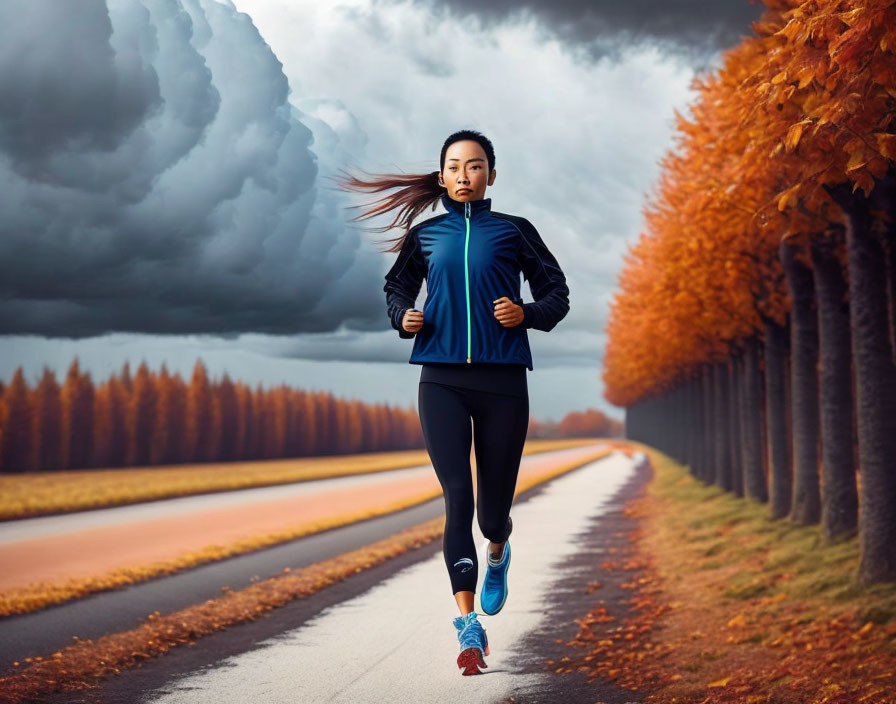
730	607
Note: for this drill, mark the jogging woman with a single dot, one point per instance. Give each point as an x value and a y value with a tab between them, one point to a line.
471	340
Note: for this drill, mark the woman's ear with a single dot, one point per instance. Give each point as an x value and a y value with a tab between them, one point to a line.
491	176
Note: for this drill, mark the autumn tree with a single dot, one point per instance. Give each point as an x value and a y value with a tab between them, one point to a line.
169	429
77	398
744	264
199	414
110	424
46	409
16	421
141	417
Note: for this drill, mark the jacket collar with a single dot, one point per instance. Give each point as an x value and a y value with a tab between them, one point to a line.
454	206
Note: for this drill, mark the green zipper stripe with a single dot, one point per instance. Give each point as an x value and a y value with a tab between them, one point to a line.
467	279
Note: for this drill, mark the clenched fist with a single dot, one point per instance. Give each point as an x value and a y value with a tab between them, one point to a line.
508	313
412	320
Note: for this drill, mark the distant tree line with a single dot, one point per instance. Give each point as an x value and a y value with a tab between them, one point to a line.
158	418
585	424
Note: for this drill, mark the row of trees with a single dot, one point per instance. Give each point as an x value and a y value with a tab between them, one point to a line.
157	418
754	333
577	424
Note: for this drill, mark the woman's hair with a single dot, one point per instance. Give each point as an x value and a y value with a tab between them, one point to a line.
417	191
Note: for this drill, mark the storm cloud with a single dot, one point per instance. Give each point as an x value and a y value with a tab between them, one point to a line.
156	179
693	28
164	168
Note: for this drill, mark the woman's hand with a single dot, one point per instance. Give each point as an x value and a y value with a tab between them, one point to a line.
412	320
508	313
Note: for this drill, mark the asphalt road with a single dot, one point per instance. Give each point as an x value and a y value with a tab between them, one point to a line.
42	632
385	635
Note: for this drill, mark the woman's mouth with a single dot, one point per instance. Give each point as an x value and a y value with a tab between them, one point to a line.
463	190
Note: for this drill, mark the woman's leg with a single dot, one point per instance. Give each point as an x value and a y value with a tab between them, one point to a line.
445	419
500	424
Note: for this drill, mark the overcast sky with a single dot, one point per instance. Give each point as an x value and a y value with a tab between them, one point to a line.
166	171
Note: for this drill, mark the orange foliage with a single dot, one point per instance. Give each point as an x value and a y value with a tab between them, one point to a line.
157	418
809	100
581	424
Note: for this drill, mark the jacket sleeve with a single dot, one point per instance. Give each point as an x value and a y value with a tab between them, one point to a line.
546	281
403	282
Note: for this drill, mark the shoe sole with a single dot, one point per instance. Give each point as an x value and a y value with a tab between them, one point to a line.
471	661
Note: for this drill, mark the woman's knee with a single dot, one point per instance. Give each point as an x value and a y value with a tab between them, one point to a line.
495	529
459	503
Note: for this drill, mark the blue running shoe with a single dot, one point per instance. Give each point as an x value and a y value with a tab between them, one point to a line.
473	643
494	586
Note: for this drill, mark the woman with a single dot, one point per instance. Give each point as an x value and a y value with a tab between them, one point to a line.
470	338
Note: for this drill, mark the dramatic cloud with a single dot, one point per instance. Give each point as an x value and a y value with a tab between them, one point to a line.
156	179
602	27
165	169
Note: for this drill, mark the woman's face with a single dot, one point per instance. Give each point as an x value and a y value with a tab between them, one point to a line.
466	175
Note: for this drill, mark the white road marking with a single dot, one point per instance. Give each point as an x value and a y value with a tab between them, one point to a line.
396	642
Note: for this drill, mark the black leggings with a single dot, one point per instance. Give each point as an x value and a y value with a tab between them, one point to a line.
500	423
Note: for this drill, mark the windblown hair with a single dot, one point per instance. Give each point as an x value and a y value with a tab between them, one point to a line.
417	191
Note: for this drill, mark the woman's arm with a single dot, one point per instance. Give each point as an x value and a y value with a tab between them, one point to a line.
404	280
546	280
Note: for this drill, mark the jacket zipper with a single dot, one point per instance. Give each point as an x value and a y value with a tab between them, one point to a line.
467	279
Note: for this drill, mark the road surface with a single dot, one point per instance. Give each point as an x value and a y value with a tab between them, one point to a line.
393	641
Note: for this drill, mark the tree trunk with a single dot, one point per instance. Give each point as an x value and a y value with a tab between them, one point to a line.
629	423
735	445
875	379
709	429
776	416
686	423
694	427
723	428
806	506
839	510
889	245
751	424
675	427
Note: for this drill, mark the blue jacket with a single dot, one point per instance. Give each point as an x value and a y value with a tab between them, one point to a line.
471	256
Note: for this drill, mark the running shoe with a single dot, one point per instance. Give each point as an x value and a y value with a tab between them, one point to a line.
494	586
473	644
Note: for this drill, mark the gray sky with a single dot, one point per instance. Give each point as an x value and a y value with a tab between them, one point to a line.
165	170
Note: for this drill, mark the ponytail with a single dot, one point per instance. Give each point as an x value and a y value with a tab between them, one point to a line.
417	192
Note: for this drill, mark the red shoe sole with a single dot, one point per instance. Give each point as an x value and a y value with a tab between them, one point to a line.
471	660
